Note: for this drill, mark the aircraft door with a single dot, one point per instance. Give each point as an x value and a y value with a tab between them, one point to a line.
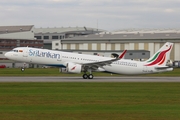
58	57
25	52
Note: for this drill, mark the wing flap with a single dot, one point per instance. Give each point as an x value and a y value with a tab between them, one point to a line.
98	64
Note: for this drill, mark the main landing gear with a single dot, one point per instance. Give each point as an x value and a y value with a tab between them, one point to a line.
86	76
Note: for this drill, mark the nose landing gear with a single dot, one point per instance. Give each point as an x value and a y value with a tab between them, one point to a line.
23	68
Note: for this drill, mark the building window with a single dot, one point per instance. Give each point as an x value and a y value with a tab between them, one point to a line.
38	37
54	37
60	37
57	44
46	37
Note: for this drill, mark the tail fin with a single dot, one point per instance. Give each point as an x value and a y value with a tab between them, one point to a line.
161	56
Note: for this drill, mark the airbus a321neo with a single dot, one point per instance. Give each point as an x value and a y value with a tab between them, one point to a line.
77	63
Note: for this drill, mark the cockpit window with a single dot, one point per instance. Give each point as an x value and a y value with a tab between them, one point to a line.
14	50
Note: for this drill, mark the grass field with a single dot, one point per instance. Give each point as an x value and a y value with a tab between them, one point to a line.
87	101
55	72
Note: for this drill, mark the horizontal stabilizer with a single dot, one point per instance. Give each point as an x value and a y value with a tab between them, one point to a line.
162	67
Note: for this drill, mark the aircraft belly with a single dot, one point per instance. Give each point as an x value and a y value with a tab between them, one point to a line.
123	69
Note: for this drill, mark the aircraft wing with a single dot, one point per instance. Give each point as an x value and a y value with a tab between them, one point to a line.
95	65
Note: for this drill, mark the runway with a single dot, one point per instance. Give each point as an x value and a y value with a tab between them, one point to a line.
96	79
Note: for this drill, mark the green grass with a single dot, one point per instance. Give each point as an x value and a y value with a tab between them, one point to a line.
55	72
87	101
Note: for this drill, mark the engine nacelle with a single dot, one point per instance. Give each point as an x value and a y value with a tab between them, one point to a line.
63	70
73	68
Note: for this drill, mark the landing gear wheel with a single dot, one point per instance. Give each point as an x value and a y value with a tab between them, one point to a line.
90	76
22	69
85	76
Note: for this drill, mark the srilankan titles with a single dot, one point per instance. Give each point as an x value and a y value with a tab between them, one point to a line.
43	53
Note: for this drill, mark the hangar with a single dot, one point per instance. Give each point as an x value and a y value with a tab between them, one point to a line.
48	35
138	40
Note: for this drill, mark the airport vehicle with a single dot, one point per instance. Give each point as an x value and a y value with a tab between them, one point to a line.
76	63
2	66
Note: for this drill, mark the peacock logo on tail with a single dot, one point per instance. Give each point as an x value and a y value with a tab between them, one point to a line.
159	58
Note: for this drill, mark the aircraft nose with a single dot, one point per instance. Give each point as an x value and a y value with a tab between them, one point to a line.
7	55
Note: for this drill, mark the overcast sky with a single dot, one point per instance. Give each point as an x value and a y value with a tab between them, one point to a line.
105	14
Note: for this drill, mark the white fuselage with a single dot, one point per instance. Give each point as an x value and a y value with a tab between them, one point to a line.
60	59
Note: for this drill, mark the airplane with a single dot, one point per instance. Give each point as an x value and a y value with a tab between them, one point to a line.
77	63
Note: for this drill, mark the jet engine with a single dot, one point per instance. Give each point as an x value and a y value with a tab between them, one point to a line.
72	68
